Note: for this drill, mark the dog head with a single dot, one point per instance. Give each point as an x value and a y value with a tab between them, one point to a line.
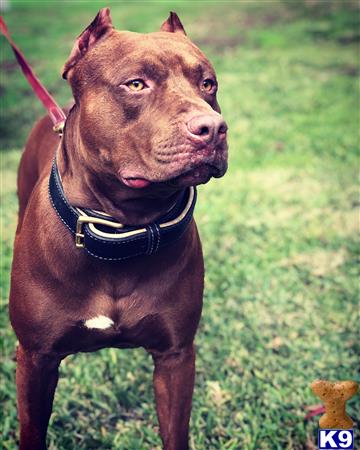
147	105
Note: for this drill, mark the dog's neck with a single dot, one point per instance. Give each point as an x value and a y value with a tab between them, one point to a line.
85	187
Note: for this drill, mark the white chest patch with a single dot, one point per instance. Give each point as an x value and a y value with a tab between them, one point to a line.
99	322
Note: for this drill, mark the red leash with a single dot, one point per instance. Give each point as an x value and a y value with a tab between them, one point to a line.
314	410
56	114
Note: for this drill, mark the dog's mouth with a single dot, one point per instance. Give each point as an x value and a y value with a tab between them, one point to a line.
136	183
187	169
198	175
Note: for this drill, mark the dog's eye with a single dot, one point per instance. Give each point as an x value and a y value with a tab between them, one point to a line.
208	85
136	85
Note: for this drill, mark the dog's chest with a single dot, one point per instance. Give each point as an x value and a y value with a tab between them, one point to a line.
123	325
117	314
138	303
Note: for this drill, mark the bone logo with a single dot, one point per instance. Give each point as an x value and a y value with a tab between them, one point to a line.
335	425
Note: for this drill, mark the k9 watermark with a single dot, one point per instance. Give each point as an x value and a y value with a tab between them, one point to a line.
335	439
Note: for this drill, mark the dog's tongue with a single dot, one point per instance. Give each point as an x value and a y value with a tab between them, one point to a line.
137	183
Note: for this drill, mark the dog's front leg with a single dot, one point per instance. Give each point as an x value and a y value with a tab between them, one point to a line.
174	376
36	380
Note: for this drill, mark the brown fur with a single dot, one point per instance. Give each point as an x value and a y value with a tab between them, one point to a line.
154	301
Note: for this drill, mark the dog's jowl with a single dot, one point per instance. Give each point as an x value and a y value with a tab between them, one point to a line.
107	253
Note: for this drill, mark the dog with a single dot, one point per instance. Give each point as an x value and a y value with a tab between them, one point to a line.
107	253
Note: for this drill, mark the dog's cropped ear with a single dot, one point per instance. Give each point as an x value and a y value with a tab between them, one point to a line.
173	24
98	28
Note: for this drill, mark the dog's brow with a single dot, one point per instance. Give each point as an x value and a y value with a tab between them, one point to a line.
154	71
194	72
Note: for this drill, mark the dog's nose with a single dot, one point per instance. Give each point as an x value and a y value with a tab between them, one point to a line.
210	128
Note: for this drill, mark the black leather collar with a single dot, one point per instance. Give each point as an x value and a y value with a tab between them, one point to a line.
104	238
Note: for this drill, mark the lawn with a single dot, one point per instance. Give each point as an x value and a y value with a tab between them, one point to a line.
279	231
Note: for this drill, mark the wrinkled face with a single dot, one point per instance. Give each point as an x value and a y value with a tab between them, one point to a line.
148	110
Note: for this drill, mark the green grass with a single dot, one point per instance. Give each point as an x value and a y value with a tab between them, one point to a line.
279	231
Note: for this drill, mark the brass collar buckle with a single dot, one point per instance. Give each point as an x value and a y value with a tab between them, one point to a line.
79	235
59	128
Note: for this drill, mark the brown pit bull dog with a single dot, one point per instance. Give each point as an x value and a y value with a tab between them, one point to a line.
107	253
